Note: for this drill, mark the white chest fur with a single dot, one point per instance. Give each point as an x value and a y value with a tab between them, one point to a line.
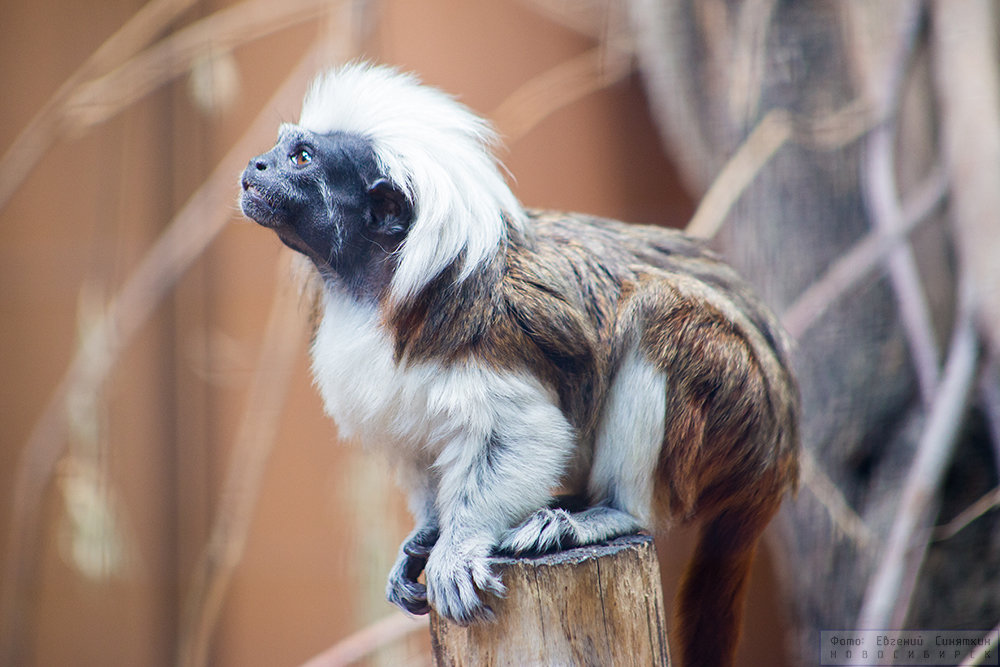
366	393
424	404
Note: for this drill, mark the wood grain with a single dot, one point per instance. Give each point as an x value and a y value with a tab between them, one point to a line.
599	605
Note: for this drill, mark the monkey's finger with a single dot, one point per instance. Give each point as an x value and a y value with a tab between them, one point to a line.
417	549
415	607
410	596
487	580
457	600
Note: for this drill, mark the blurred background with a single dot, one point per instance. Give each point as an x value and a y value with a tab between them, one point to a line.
173	494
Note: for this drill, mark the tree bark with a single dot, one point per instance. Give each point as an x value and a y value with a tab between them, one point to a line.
599	605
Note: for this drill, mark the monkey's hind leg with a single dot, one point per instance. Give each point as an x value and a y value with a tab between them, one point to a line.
620	485
552	529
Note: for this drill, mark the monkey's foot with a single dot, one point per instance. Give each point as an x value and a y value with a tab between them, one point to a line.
456	574
554	529
403	589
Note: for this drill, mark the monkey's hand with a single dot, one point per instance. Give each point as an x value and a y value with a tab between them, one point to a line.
553	529
457	572
403	589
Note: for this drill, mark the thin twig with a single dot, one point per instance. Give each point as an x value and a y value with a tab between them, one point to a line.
934	451
664	41
854	266
587	17
886	214
988	501
190	232
367	640
747	59
774	130
770	134
912	563
837	129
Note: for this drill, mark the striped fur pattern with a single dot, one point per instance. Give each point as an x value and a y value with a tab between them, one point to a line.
500	355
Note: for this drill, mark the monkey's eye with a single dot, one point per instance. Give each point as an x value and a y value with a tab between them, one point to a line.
301	157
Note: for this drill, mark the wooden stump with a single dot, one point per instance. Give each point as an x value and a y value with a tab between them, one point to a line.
598	605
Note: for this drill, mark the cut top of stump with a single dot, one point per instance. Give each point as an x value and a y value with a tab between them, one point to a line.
595	605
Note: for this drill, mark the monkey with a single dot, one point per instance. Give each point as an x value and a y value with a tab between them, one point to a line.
541	380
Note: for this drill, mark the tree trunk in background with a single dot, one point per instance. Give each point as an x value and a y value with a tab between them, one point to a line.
854	150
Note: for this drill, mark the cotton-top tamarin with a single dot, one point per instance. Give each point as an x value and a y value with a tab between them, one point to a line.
501	354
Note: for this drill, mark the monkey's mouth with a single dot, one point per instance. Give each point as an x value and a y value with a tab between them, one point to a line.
257	205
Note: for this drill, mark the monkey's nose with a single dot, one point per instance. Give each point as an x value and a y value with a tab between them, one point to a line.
260	163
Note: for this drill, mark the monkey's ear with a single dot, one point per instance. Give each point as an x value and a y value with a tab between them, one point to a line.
391	210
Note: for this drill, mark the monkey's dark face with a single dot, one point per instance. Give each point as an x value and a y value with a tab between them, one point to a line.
325	197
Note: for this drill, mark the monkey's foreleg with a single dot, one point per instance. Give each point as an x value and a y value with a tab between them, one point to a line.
507	450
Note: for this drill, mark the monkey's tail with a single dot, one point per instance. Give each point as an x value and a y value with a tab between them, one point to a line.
709	604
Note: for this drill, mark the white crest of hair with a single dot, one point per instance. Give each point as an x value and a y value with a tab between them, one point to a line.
434	148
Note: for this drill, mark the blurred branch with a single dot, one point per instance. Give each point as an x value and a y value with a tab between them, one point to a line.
559	87
587	17
97	100
663	44
367	640
919	490
770	134
881	196
182	241
747	59
856	264
990	500
774	130
48	124
989	398
830	497
95	92
967	79
247	462
886	214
